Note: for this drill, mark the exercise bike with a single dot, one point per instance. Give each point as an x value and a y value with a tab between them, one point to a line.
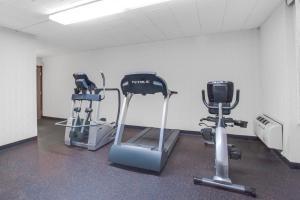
220	94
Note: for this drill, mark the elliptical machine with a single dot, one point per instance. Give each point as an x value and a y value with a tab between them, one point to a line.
220	94
82	128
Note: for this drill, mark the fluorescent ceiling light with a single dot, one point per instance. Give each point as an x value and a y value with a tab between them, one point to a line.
99	9
68	6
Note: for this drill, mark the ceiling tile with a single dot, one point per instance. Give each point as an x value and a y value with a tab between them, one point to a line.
237	13
16	18
164	21
261	12
174	19
185	12
144	24
211	13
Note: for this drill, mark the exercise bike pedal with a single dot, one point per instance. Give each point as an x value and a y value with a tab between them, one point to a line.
240	123
207	134
103	119
234	153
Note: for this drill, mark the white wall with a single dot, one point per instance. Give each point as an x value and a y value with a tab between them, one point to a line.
39	61
18	87
279	76
186	64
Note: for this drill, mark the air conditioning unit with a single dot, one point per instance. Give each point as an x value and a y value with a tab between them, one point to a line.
269	131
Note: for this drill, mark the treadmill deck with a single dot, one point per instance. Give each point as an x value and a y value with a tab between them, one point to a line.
149	138
142	150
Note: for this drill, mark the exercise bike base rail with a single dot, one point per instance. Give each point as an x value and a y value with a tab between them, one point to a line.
249	191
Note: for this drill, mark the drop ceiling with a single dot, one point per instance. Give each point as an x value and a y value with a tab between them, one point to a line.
174	19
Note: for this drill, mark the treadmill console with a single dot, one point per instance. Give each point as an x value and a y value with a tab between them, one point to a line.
143	83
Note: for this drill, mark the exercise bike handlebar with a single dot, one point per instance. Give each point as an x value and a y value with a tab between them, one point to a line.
237	99
227	121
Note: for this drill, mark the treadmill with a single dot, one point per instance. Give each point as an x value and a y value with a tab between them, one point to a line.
150	148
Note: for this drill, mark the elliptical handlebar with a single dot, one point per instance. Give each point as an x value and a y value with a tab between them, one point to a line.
103	84
104	89
173	92
237	99
103	79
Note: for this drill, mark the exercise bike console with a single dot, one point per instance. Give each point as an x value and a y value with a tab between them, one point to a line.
220	92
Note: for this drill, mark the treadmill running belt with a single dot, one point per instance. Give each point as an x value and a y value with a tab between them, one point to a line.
150	139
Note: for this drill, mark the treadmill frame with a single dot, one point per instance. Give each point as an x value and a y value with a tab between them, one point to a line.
130	154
